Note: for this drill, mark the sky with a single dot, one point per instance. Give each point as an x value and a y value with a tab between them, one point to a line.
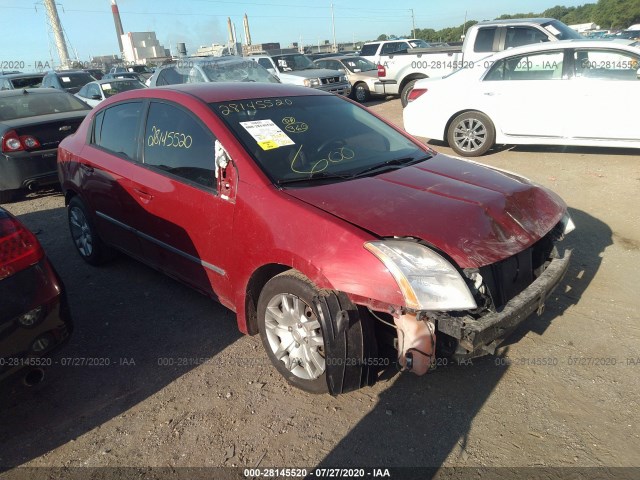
90	29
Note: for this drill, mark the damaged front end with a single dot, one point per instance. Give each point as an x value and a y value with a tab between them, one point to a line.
481	306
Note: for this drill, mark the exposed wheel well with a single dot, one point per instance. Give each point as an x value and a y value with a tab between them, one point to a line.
408	78
68	195
255	285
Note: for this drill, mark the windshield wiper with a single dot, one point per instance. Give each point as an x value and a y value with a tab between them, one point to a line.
392	164
313	177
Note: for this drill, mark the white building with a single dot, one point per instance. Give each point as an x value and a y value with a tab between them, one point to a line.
584	27
140	47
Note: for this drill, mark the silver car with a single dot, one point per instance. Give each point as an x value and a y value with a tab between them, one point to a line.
211	69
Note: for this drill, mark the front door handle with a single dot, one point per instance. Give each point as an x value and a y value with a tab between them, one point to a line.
144	196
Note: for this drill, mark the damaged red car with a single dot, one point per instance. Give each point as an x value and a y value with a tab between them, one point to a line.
328	231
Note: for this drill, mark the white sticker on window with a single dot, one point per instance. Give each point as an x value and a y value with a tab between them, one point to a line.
106	86
552	29
267	134
65	79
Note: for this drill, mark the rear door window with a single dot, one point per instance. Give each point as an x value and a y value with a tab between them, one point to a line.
176	143
484	40
118	130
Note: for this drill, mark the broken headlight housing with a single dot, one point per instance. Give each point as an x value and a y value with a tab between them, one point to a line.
426	279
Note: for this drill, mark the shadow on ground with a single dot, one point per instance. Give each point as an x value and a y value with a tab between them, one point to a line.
117	326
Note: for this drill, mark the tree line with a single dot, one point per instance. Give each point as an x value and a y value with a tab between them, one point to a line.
608	14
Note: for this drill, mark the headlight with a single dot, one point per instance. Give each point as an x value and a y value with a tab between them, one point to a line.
312	82
567	224
427	280
343	78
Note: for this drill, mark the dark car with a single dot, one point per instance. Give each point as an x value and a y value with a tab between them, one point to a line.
32	124
324	228
34	317
95	73
68	80
126	75
12	81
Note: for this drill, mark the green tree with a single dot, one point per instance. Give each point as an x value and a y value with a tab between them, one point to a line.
382	37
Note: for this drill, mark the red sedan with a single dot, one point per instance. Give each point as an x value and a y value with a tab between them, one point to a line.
331	233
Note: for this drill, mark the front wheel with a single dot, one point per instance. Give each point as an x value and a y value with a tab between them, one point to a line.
291	332
471	134
361	92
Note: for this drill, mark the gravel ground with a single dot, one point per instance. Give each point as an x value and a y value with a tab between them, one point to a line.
184	388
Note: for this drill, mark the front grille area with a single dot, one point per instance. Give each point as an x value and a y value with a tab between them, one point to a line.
507	278
330	80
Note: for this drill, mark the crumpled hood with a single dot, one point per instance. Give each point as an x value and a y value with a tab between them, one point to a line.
473	213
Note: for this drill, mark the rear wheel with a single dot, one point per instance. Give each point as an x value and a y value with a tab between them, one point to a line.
471	134
291	332
361	92
406	90
84	235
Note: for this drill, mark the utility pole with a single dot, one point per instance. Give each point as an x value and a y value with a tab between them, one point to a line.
333	24
464	25
413	23
54	21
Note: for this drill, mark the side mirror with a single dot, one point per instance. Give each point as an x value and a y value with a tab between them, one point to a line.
96	97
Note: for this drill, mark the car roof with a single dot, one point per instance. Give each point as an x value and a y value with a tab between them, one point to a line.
21	75
517	20
31	91
65	72
341	57
226	91
561	44
112	80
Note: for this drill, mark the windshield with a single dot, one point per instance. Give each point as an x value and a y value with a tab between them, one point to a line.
359	64
33	104
245	71
288	63
418	43
561	31
114	87
75	80
305	139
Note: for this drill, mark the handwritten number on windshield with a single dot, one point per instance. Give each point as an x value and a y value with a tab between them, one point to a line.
334	156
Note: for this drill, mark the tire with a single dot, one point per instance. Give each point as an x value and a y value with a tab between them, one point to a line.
290	330
7	196
361	92
471	134
84	235
406	90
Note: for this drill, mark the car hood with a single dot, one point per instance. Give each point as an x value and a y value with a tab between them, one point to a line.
313	73
475	214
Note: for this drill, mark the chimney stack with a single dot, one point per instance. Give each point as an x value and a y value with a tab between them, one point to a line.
118	23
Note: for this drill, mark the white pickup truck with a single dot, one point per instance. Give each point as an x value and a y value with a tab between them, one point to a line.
398	72
297	69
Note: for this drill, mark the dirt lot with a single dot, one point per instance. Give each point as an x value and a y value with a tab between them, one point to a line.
185	388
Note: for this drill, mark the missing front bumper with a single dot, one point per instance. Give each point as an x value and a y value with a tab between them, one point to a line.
482	336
